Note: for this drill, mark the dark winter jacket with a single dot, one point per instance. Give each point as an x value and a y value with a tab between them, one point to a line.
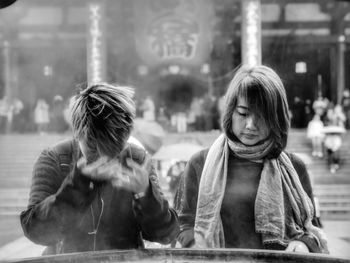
67	214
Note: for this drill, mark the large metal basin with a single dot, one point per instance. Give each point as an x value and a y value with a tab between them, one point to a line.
186	255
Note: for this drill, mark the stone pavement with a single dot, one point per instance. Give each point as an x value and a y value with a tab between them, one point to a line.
338	234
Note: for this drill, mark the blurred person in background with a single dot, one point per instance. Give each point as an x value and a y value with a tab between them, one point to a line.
345	102
320	106
194	114
333	135
148	109
18	117
57	121
174	174
221	108
96	191
181	122
332	143
335	115
315	133
209	108
308	111
245	191
41	116
5	114
163	118
298	113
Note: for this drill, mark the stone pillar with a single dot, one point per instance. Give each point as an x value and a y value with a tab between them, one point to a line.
340	67
251	32
8	94
7	70
96	42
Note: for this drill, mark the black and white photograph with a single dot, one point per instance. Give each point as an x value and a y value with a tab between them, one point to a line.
174	131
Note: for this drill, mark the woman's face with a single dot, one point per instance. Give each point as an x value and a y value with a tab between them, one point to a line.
248	127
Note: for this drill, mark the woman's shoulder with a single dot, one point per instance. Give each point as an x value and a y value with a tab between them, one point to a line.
196	163
297	159
199	157
299	163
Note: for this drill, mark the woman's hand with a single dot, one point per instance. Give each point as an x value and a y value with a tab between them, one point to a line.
186	238
297	246
134	178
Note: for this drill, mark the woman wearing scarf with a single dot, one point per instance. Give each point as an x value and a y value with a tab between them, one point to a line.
245	191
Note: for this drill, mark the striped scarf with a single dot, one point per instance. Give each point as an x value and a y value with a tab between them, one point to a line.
271	219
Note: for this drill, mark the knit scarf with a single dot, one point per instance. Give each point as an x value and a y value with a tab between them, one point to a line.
279	190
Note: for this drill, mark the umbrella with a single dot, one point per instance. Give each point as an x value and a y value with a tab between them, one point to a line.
333	129
149	133
180	151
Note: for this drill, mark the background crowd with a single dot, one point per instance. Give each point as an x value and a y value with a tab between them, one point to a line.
326	126
302	112
203	114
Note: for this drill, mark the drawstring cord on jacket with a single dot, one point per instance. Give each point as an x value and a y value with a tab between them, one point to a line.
95	229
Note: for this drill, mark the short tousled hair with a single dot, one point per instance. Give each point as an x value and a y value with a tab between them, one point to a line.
266	96
102	116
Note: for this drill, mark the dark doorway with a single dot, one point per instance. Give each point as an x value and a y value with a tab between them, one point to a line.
178	91
284	54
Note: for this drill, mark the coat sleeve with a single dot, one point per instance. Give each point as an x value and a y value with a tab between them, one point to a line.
158	222
188	206
304	178
55	201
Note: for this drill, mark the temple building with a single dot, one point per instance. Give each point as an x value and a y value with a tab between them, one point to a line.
173	50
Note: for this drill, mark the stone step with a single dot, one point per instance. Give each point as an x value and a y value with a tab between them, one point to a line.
324	189
17	172
335	202
332	187
342	188
17	205
332	216
330	197
15	183
328	191
14	199
335	209
14	203
20	167
32	156
12	211
13	193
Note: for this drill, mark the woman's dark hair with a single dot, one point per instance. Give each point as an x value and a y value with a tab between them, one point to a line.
264	92
102	117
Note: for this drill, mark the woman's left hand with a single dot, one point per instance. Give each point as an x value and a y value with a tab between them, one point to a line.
297	246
